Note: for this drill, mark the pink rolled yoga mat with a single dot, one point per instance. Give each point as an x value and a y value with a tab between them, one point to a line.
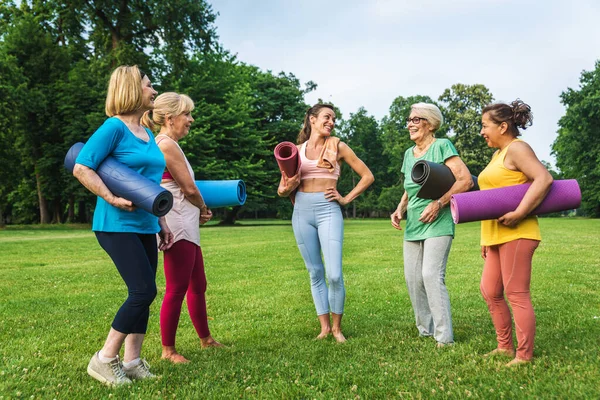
288	159
494	203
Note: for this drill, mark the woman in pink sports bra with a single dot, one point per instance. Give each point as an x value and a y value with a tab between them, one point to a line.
317	219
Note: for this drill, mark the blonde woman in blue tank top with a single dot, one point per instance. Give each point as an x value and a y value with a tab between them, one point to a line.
317	219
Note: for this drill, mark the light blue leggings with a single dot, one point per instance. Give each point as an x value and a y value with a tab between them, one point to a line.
319	226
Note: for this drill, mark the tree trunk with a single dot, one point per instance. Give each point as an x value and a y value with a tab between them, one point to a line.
44	213
231	216
57	215
81	214
71	210
1	218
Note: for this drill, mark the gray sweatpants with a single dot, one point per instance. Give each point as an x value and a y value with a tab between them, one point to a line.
425	273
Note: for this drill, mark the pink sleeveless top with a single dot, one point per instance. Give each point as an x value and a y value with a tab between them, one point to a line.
309	169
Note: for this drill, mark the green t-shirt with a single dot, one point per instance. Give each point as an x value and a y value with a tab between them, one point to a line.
439	151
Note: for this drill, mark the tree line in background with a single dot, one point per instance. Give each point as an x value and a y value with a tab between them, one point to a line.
56	57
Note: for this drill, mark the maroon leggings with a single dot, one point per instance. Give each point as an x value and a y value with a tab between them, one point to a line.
184	272
507	270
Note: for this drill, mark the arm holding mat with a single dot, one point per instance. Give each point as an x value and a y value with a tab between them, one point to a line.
178	168
435	179
288	160
494	203
119	185
462	183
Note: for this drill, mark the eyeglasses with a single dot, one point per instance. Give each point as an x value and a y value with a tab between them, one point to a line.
415	120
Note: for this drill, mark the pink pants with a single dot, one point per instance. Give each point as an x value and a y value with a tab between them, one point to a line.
184	273
507	270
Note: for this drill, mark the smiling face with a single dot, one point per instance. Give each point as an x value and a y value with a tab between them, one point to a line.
148	94
324	122
492	132
179	126
419	131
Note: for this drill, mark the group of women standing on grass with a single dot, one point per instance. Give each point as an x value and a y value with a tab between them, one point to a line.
507	243
128	234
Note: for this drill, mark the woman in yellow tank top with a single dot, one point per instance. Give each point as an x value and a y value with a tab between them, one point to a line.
508	243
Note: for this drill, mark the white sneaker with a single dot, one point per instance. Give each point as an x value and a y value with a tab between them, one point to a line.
139	371
110	373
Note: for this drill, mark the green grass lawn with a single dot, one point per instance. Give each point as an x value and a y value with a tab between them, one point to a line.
59	292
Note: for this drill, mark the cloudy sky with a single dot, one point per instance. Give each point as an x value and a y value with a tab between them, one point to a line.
368	52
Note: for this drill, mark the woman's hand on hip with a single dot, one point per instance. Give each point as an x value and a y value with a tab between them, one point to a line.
331	194
484	251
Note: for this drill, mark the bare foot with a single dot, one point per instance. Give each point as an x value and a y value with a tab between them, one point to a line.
323	335
516	362
503	352
209	342
339	336
175	358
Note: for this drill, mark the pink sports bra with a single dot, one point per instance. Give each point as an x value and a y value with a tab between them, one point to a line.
309	169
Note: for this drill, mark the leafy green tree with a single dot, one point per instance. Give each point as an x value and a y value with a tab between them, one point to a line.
363	134
12	91
43	64
577	147
462	111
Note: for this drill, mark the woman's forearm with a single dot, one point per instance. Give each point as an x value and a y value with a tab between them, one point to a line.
90	179
365	181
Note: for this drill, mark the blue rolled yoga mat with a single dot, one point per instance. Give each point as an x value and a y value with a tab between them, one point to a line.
223	193
127	183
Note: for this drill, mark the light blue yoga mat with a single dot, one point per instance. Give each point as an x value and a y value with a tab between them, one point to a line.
227	193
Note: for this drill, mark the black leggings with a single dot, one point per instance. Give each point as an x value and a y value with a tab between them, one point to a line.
136	257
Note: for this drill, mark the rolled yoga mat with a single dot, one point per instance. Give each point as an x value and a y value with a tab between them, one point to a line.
494	203
288	159
223	193
435	179
127	183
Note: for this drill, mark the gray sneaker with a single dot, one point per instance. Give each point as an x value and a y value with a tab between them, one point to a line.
108	373
139	371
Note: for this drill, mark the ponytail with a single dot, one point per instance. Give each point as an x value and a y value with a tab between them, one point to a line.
516	115
147	120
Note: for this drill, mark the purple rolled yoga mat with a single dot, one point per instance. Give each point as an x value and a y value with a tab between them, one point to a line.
494	203
288	159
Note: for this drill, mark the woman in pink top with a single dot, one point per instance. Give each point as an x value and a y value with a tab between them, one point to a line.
184	265
317	220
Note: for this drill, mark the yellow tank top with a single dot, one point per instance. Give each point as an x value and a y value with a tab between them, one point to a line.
496	175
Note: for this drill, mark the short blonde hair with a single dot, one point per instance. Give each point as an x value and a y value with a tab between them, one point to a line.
124	94
430	112
165	105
